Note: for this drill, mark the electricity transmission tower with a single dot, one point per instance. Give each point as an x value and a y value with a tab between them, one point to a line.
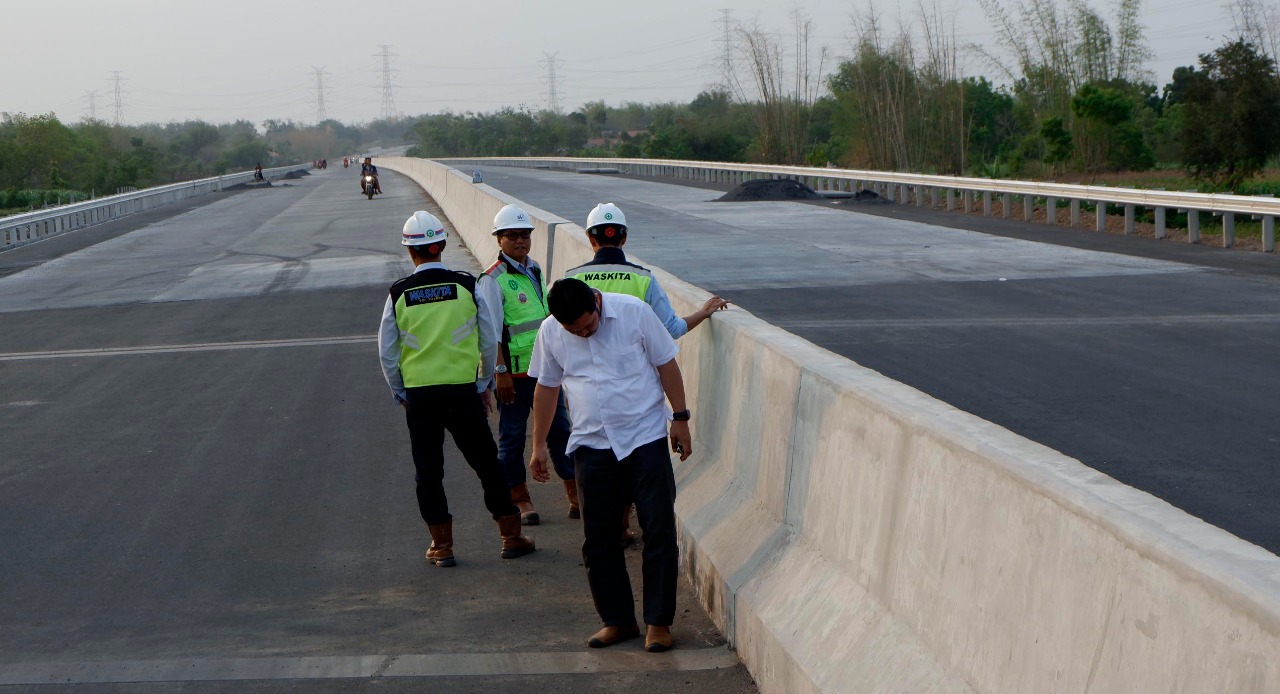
92	98
726	57
388	87
118	93
321	113
552	80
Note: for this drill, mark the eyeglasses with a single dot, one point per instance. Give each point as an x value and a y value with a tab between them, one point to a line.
518	234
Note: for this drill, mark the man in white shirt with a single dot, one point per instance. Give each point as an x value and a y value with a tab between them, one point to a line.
616	362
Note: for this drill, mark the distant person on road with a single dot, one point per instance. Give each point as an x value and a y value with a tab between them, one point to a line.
368	168
515	282
616	362
609	271
257	172
438	341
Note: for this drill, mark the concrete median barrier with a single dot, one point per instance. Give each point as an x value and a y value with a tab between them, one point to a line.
851	534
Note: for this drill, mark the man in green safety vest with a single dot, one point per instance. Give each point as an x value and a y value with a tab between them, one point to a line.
515	282
609	271
437	344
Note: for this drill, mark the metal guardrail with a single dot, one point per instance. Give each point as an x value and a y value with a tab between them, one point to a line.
22	229
909	188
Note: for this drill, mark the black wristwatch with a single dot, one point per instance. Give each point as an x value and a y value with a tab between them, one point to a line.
681	416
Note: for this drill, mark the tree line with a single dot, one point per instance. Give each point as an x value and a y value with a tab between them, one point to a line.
44	161
1069	95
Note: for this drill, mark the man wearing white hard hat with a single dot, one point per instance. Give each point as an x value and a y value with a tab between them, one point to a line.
438	341
515	282
610	271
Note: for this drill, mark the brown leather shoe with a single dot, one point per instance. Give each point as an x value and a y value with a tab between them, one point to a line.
520	497
513	543
610	635
441	551
658	639
571	491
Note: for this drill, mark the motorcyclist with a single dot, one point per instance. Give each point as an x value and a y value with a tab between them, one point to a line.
368	168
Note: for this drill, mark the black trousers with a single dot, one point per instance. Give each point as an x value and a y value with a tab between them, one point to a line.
605	486
457	408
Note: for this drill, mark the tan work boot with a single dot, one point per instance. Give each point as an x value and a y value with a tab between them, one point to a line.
441	551
513	543
571	491
520	497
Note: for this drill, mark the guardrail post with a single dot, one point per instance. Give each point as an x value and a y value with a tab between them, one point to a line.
968	201
1193	226
1128	220
1228	229
1101	216
1006	205
1160	224
1075	212
1268	233
889	192
1051	210
986	203
951	199
1028	207
933	197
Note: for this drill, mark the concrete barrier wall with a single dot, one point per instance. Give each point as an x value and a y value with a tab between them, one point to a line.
851	534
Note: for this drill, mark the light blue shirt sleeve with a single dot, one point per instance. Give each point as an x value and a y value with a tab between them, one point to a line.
657	299
489	320
389	351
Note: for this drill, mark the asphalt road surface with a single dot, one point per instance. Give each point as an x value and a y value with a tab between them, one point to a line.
205	487
1155	363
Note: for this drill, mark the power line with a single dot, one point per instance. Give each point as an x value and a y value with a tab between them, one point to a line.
321	112
118	93
552	80
388	88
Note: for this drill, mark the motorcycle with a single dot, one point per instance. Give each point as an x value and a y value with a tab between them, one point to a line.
369	184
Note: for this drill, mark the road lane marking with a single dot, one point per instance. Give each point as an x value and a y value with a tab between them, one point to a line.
366	666
1029	321
195	347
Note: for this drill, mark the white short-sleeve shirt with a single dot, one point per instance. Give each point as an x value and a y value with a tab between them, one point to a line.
610	379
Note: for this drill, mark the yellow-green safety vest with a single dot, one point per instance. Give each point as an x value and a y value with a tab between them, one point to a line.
437	316
619	279
523	310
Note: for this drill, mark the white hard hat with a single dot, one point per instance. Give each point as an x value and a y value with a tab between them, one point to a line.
606	214
422	229
511	217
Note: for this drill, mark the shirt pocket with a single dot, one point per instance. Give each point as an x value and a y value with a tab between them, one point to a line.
628	362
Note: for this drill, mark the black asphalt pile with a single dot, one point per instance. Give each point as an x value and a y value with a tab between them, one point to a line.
252	184
864	197
770	189
296	174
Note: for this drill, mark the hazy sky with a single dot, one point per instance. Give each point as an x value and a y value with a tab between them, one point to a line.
220	61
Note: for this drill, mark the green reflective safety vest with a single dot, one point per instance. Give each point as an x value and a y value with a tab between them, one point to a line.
438	319
619	279
523	310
